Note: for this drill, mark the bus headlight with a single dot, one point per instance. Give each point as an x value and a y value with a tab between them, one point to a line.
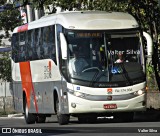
76	93
140	92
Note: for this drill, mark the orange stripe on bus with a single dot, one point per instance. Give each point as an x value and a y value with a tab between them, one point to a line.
27	84
49	65
23	28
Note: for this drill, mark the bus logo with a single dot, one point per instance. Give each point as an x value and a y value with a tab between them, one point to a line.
78	88
109	90
47	71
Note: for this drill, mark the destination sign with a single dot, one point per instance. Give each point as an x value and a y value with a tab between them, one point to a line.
89	34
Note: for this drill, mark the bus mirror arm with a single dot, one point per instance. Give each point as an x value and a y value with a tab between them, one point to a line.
149	44
63	46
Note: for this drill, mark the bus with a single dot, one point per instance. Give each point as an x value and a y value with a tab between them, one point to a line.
44	76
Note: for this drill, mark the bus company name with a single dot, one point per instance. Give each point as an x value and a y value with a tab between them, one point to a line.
123	90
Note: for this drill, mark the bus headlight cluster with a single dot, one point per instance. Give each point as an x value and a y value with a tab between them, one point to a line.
76	93
140	92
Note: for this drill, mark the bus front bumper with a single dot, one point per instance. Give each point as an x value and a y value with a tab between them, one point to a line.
80	105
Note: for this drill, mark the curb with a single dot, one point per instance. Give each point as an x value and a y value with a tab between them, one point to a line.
15	115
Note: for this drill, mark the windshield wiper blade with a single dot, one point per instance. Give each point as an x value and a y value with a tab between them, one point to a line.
126	74
93	79
97	76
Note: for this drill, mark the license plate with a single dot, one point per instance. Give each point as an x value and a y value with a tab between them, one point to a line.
110	106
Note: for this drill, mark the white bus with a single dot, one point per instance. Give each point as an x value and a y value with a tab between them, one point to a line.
48	80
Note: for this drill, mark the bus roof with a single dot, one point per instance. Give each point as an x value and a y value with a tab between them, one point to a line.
85	20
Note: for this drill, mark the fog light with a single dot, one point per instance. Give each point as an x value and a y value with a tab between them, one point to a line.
140	92
73	105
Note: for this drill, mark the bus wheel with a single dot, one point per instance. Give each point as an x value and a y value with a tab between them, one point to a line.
62	118
41	119
29	117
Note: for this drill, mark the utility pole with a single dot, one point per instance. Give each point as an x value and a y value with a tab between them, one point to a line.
29	13
37	14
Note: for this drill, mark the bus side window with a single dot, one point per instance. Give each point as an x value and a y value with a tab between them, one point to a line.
27	44
15	47
45	41
50	41
30	43
36	44
41	44
22	46
52	46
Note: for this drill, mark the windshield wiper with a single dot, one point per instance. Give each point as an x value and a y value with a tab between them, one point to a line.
93	79
106	53
97	76
126	74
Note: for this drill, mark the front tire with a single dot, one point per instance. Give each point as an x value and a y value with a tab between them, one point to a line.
29	117
63	119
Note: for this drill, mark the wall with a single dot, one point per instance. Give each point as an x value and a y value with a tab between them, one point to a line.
6	99
5	89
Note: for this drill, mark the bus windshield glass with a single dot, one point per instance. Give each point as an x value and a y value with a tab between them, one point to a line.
105	59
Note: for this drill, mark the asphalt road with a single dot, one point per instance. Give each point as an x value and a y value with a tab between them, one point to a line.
144	125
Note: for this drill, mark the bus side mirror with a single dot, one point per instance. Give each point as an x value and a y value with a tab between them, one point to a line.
149	44
63	46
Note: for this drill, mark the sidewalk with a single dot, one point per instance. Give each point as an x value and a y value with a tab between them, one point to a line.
15	115
19	115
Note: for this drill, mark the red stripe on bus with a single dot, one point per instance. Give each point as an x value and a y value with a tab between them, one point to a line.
23	28
27	84
49	65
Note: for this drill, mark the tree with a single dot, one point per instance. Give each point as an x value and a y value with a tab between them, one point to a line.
5	67
9	19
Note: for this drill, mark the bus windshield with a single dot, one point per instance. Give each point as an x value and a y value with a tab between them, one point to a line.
104	59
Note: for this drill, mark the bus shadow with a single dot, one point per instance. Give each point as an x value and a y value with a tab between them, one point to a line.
149	116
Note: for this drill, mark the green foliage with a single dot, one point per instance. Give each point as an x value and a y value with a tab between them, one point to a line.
9	19
2	2
150	76
5	67
3	113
